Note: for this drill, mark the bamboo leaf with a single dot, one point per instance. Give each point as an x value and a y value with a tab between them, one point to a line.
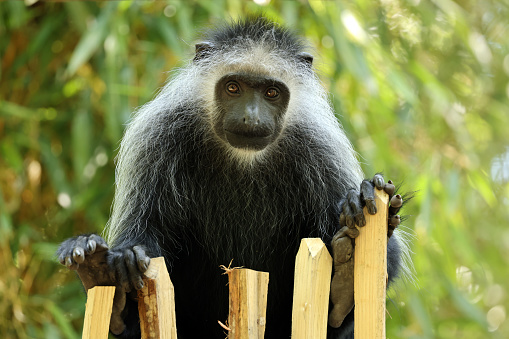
81	141
92	39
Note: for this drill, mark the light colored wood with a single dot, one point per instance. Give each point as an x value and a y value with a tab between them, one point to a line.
156	303
313	268
370	272
98	312
248	302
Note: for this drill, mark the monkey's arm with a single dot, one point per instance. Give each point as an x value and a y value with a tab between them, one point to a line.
343	247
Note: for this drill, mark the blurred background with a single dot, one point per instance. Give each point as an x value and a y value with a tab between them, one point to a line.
421	88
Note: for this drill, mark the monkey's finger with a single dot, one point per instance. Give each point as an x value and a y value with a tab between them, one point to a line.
117	325
344	232
65	253
342	219
96	244
342	247
78	254
62	254
368	195
389	188
394	220
393	224
121	271
378	181
134	274
70	263
347	211
142	259
110	260
354	200
100	243
91	246
339	234
396	203
352	233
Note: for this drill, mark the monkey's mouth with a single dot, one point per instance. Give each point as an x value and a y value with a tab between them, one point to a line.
253	140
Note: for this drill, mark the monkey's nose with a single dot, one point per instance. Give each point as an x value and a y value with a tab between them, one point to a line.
251	116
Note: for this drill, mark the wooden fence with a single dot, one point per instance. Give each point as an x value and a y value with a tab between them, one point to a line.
248	292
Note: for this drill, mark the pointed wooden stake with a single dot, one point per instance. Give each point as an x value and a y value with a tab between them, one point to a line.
98	312
156	303
248	302
313	268
370	272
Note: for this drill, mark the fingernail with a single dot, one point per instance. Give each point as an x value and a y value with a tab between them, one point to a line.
389	189
396	201
91	246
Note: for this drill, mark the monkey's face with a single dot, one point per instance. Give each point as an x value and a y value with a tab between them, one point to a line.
251	110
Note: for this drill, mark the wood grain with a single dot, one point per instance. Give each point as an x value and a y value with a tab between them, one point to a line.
98	312
156	303
248	303
313	268
370	272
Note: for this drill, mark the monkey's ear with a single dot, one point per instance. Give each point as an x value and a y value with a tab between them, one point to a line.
202	49
305	57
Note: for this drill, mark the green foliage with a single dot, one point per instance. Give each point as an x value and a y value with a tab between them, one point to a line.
421	88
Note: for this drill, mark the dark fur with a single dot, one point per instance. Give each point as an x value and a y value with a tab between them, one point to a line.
254	216
258	29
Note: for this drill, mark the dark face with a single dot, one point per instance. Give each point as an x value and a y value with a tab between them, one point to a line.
251	109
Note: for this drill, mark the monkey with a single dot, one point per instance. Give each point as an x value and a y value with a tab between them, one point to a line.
239	156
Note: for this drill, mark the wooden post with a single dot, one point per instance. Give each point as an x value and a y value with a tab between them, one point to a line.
248	302
370	272
313	268
156	303
98	312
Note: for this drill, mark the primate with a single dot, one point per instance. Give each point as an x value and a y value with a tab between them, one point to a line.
239	157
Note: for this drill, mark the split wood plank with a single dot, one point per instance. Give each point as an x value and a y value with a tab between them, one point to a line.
98	312
313	268
248	303
370	272
156	303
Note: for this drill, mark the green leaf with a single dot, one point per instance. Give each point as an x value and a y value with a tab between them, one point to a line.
92	39
61	319
81	140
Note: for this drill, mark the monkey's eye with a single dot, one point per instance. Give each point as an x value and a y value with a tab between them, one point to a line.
233	88
272	93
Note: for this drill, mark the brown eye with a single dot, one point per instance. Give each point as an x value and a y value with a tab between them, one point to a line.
233	88
272	93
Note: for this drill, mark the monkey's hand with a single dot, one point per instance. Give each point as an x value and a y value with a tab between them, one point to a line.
86	254
342	284
351	207
97	265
